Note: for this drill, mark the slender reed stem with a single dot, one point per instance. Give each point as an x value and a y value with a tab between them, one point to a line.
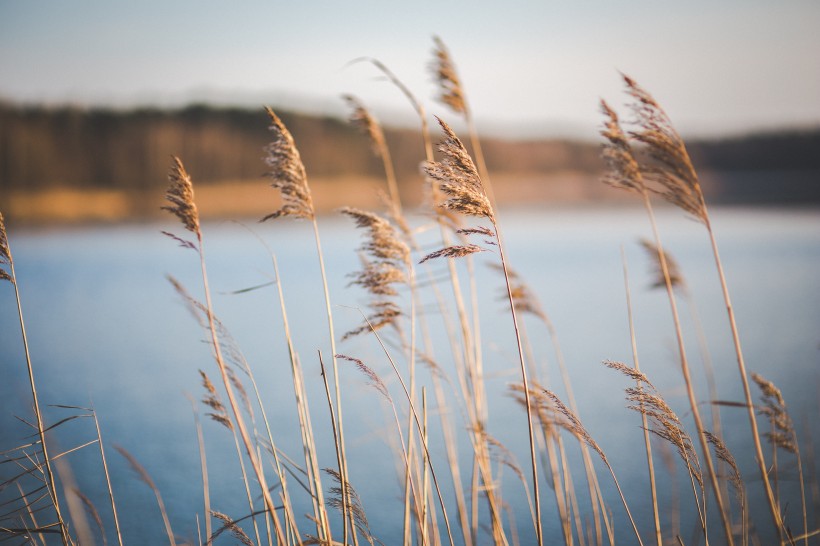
108	480
644	421
525	381
340	423
337	444
761	461
52	488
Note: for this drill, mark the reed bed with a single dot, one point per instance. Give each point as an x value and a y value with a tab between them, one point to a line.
451	470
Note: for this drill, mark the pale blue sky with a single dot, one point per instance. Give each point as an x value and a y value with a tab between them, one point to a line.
719	67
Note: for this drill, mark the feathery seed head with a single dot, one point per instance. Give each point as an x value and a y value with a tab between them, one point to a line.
458	177
624	172
457	251
375	380
672	167
287	172
5	252
361	118
384	243
782	434
675	275
181	196
444	71
385	313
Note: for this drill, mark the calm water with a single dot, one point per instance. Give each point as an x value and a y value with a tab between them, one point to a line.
105	327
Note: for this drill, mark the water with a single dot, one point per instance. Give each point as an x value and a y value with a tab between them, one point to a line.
106	328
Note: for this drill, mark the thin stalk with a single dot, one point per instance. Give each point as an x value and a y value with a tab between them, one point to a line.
343	469
203	463
337	444
525	381
684	362
108	480
308	443
761	462
644	421
52	488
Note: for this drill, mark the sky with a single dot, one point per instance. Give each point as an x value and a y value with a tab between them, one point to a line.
529	68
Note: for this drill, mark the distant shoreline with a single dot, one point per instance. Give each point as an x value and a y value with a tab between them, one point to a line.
235	199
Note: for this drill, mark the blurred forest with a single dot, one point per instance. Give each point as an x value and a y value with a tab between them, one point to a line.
71	156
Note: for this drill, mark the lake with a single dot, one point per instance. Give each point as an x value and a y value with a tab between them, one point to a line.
106	328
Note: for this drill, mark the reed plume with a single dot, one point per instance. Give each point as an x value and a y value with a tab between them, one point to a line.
457	176
5	253
228	524
386	263
445	74
656	255
287	172
180	194
343	489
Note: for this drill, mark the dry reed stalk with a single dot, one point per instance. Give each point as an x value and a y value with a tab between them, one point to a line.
305	425
567	420
181	195
459	179
203	464
678	282
674	171
290	178
107	478
345	503
7	260
644	423
147	480
626	173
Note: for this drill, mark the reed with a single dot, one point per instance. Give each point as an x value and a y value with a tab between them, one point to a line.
626	173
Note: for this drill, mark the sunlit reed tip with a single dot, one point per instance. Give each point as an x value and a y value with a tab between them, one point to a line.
288	172
444	72
457	176
671	168
181	196
5	253
363	120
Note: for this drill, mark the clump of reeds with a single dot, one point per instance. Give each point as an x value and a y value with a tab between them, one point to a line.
663	162
181	196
